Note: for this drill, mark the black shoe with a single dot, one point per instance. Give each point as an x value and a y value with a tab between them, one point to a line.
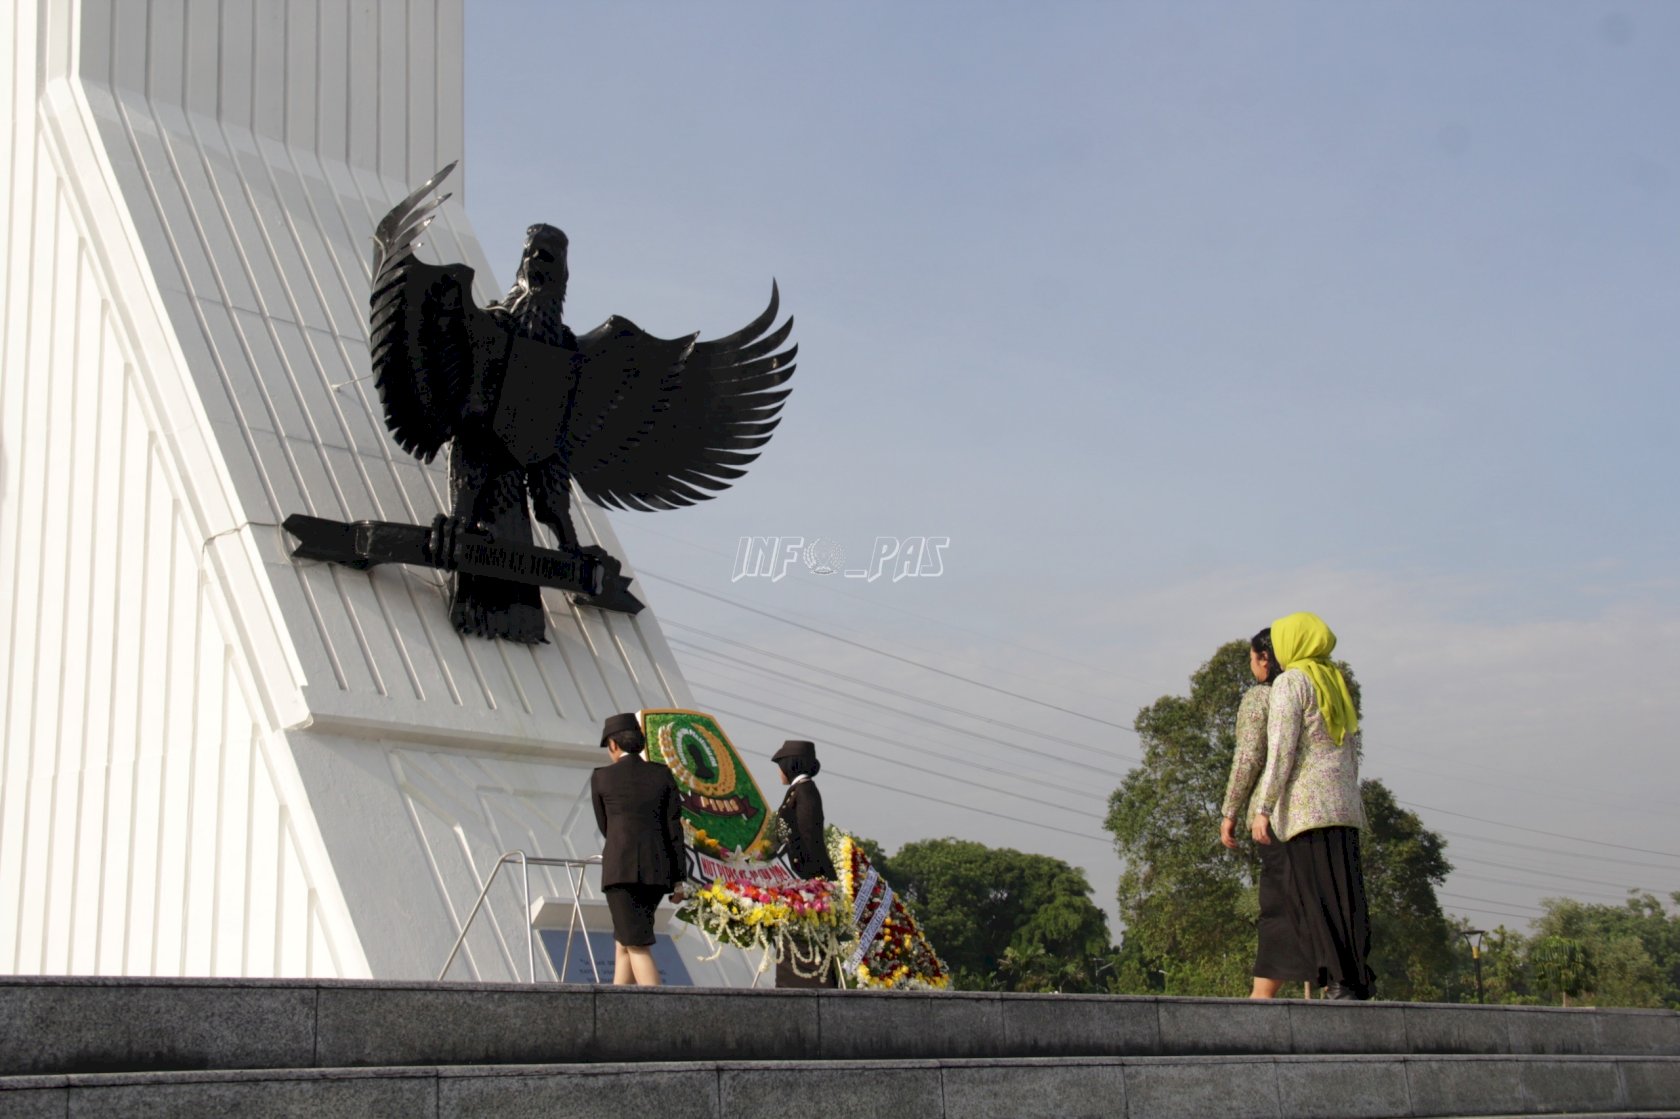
1345	992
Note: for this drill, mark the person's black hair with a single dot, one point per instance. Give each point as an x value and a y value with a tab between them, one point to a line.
628	742
804	765
1262	643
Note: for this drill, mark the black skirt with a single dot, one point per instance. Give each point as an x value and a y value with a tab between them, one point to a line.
632	907
1281	954
1327	892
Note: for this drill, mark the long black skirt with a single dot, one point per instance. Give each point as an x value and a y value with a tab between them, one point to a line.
1281	954
1327	892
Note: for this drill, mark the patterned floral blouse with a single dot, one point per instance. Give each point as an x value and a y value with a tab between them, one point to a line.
1309	782
1250	757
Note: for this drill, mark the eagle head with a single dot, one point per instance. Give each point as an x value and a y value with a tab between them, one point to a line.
542	266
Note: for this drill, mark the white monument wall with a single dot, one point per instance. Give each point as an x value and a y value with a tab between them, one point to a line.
216	760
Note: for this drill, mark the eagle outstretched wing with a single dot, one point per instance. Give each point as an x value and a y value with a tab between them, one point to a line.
424	326
657	423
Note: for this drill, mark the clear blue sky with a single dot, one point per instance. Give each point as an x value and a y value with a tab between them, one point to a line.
1174	318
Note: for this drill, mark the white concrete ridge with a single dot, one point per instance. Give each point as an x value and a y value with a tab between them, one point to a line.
218	761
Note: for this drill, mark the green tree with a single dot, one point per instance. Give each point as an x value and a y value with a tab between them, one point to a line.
1505	976
1028	969
1561	964
1412	943
876	854
1625	974
977	903
1634	948
1592	953
1188	905
1034	969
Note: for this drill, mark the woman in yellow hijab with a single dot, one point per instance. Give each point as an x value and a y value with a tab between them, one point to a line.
1309	798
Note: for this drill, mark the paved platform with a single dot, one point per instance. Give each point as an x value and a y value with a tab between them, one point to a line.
82	1046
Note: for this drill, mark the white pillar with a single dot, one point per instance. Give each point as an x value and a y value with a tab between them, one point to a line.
216	760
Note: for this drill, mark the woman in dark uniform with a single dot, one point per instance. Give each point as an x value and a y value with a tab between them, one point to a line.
637	809
807	850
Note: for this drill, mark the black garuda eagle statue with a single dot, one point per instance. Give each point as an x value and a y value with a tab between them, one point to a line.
528	408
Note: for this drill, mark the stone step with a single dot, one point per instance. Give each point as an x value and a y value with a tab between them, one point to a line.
92	1025
1293	1087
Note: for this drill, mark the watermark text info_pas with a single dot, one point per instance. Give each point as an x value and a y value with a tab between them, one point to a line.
892	557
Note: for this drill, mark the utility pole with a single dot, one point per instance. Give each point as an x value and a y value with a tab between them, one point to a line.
1475	954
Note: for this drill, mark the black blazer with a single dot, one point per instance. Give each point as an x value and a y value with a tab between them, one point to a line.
637	809
807	851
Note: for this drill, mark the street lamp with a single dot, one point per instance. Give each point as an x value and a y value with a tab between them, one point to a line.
1475	954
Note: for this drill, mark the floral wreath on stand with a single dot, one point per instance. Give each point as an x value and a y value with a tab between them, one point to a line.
889	950
762	906
741	891
736	893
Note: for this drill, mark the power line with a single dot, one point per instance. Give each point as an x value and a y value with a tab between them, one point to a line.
1529	885
999	723
1459	761
895	762
757	668
691	649
1570	796
811	684
1537	870
1541	831
879	605
1494	912
921	750
878	787
1517	904
884	653
1079	714
971	763
750	667
1029	699
851	698
1555	851
1013	745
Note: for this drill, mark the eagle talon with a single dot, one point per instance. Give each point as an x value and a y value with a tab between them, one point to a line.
443	546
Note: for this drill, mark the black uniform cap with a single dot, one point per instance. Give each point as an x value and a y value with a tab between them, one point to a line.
795	748
620	724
